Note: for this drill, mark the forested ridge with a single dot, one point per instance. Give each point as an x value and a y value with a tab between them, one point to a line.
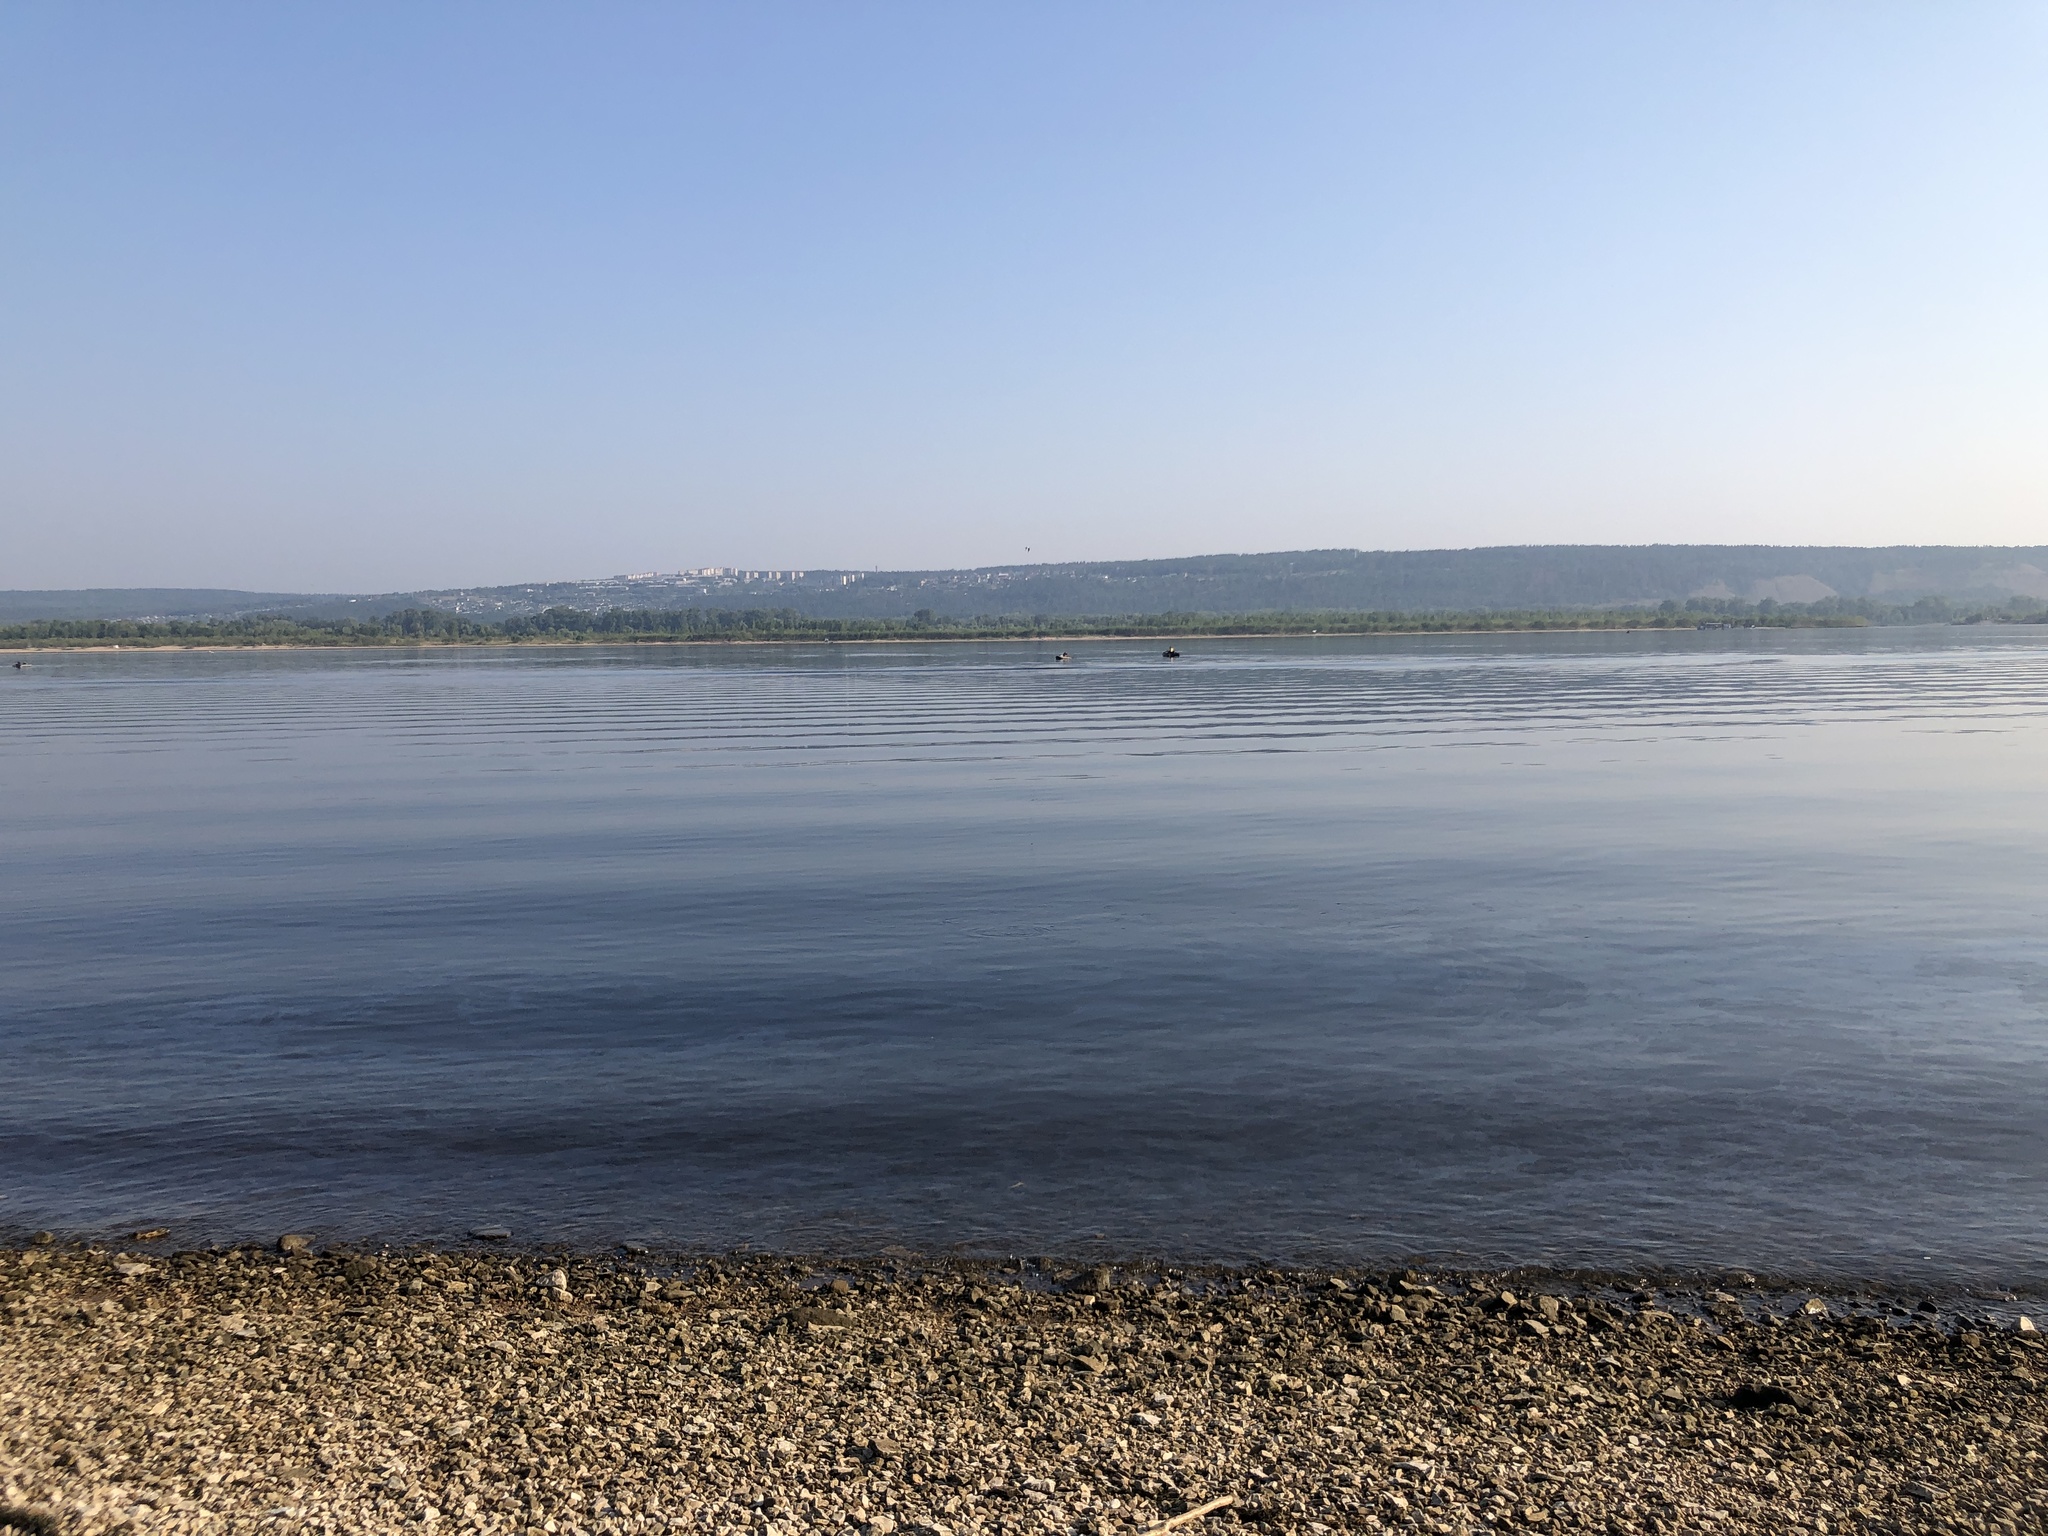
1516	580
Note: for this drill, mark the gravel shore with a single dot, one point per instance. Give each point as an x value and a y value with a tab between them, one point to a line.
629	1392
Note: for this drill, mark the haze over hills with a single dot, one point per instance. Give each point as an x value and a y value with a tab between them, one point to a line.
1498	578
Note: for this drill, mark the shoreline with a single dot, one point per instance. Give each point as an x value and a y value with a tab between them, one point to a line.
618	1391
835	640
630	643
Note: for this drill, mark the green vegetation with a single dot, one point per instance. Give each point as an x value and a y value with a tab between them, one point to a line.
412	626
622	626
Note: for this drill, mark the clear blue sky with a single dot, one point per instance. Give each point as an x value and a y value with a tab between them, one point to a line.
379	296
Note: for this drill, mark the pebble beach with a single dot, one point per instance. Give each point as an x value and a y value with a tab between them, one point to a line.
280	1389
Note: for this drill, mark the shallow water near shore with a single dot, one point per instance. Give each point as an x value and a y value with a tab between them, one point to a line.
1694	949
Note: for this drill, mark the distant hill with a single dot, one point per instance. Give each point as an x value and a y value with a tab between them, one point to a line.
1533	576
173	603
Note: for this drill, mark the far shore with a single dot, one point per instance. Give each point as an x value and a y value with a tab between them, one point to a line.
1171	638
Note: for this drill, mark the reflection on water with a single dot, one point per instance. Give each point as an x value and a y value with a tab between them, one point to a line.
1694	948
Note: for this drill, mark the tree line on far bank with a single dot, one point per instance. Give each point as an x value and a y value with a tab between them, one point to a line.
555	626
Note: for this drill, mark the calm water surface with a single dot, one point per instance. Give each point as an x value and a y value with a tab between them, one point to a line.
1688	948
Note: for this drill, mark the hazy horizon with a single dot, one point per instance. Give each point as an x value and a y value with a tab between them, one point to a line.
801	568
395	298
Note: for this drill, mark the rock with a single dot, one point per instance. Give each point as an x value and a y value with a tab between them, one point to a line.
491	1234
1094	1365
2026	1325
880	1525
1815	1307
42	1239
1549	1306
1146	1420
1093	1282
1766	1395
151	1234
1920	1491
128	1270
820	1317
295	1242
1534	1329
1723	1299
883	1447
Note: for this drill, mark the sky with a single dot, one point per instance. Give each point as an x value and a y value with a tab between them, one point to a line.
385	296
